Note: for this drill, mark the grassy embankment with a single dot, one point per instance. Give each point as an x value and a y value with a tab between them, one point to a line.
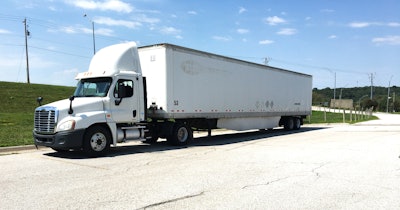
18	102
17	105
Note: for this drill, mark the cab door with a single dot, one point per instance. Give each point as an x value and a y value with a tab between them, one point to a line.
125	107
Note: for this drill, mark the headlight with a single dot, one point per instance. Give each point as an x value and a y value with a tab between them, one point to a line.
68	125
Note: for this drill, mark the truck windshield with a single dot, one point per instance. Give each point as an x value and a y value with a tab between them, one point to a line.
93	87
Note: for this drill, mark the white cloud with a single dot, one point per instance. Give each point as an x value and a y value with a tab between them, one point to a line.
332	36
222	38
60	77
105	5
265	42
52	8
393	24
79	29
390	40
192	12
112	22
274	20
4	31
287	31
360	24
104	32
144	19
242	31
368	24
68	29
242	10
170	30
327	10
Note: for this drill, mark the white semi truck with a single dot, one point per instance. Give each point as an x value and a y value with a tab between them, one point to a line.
166	91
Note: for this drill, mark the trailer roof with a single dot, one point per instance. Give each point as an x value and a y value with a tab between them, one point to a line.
167	45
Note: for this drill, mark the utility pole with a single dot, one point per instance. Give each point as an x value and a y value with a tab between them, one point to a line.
334	91
94	41
372	84
388	96
26	52
93	37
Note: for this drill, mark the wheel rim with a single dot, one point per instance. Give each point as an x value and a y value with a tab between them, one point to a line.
98	142
182	134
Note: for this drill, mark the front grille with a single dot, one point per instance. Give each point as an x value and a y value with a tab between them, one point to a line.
45	120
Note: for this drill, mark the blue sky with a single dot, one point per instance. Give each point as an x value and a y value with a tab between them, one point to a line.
352	39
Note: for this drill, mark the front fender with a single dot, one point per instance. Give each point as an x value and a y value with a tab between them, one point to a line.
83	121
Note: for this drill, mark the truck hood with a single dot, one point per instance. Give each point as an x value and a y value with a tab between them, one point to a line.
79	105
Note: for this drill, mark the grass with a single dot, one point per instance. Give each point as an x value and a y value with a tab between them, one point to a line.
17	104
318	117
16	129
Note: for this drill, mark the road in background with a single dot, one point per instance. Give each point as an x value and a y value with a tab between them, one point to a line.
319	167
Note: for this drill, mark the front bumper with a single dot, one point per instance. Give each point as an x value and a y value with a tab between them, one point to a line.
61	140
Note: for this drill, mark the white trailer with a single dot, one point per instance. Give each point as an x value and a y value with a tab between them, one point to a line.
186	83
166	91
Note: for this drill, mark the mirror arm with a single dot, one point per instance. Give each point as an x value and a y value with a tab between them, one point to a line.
118	101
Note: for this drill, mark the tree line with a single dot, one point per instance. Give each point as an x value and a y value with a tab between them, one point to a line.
361	97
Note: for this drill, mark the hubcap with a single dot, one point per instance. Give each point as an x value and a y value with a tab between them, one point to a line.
98	142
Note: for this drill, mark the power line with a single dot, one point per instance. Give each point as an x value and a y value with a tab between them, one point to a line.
60	52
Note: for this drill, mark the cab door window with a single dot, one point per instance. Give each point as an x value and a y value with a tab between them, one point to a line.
123	89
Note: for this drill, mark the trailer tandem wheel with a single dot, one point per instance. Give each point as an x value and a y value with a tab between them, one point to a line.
182	134
289	124
297	123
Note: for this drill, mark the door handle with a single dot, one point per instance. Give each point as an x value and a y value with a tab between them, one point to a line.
134	113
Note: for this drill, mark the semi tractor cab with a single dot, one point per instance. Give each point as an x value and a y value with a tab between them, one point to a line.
179	89
107	106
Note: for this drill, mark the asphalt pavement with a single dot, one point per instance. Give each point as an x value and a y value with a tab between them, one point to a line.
318	167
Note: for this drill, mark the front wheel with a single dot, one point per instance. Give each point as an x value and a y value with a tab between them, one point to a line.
96	141
181	135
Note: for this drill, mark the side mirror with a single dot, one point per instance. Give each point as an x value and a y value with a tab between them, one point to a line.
121	91
71	111
120	94
39	100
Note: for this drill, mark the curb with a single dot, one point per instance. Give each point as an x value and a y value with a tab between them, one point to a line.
16	148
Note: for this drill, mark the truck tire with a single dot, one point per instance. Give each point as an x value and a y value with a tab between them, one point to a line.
289	124
181	135
296	123
96	141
